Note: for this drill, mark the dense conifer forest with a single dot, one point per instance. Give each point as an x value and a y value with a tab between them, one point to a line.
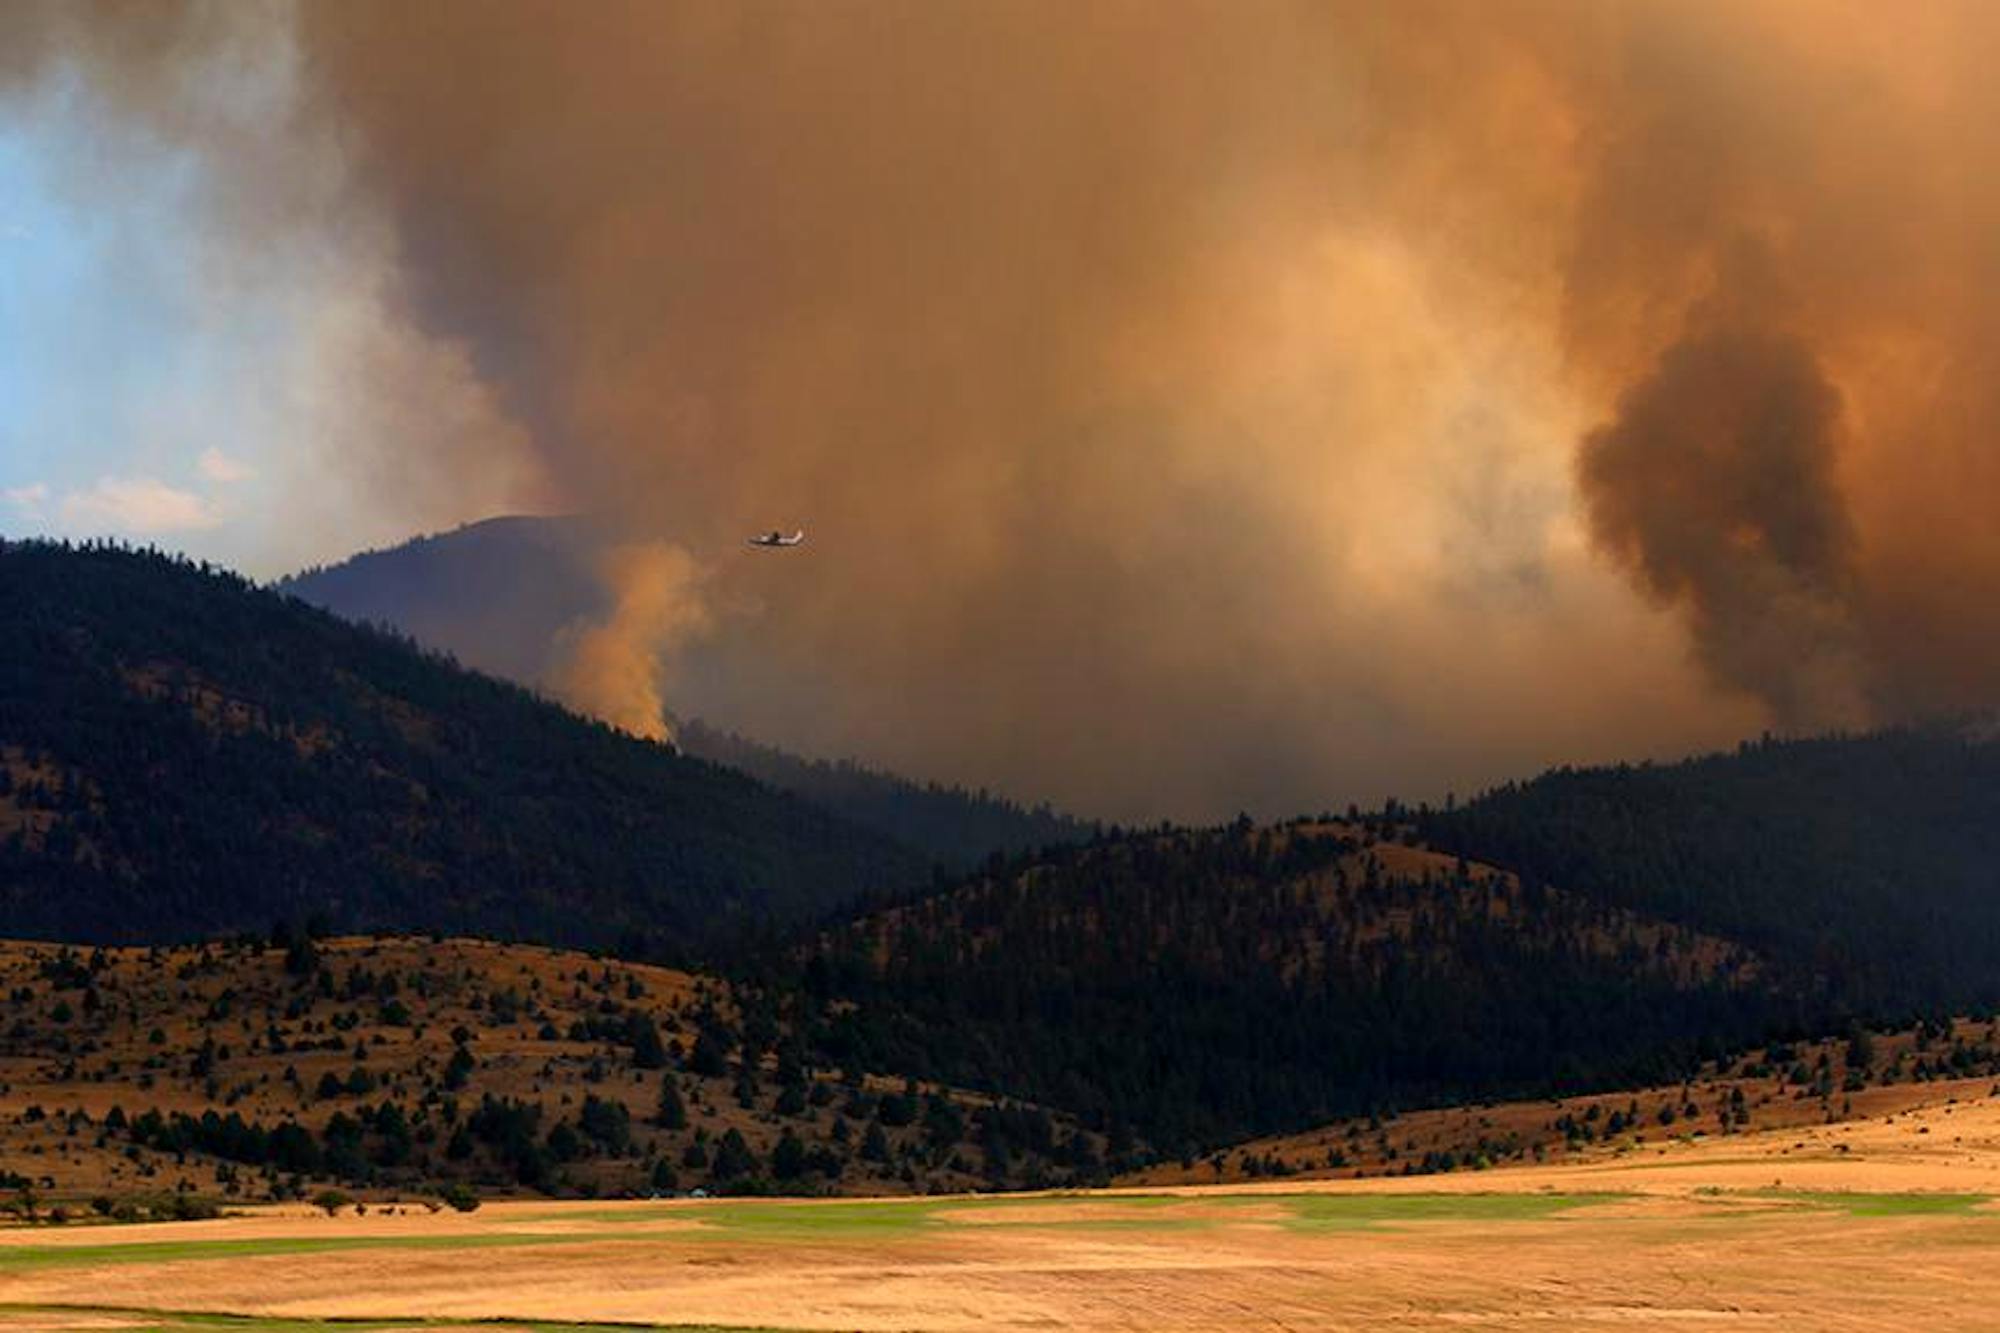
1191	988
1868	867
182	754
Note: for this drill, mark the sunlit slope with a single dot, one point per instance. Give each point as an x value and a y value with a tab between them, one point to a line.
256	1070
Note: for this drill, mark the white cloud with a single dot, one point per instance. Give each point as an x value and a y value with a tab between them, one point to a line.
28	499
220	467
139	505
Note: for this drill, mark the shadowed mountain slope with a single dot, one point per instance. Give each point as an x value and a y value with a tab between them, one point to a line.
1870	864
496	594
183	754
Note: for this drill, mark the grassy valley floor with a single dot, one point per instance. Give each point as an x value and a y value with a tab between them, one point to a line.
1864	1225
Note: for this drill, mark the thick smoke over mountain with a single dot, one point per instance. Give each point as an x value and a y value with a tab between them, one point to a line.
1191	405
1716	486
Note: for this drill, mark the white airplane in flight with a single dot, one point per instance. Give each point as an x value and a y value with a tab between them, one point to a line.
775	539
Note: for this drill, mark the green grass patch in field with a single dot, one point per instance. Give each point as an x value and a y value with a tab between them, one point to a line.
1346	1212
795	1219
1882	1205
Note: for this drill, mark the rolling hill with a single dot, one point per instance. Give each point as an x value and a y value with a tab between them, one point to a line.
1587	930
1194	987
258	1068
185	755
498	594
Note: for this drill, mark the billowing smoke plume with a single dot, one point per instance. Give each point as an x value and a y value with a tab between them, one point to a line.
1716	486
616	668
1213	403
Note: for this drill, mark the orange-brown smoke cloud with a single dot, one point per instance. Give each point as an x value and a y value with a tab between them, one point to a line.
1202	404
616	667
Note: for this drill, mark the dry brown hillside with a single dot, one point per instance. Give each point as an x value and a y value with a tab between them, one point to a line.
407	1063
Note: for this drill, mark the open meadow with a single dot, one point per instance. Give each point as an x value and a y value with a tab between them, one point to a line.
1869	1224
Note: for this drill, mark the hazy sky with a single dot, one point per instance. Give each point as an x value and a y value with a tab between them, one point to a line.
1193	405
165	378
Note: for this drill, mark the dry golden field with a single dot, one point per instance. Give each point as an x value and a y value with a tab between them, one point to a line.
1882	1223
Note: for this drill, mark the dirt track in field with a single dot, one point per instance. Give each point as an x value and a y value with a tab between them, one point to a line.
1867	1225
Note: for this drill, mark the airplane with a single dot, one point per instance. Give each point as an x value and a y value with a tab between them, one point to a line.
774	539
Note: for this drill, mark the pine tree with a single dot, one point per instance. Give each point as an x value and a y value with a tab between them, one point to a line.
672	1112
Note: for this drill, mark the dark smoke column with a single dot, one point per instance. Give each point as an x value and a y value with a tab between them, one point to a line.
1715	487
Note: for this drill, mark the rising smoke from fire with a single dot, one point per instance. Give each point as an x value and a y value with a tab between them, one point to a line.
617	666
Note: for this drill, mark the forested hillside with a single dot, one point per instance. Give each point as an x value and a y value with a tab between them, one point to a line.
1199	987
1196	987
182	754
958	829
498	594
1866	866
